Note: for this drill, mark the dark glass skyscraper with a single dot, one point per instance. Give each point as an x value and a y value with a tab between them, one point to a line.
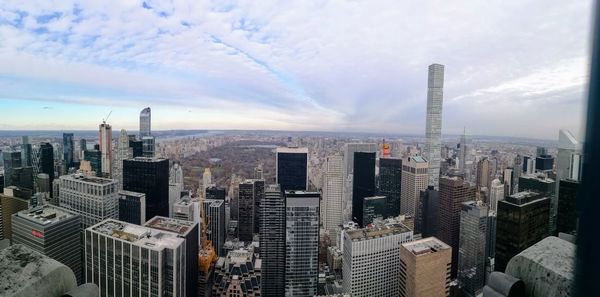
246	210
390	181
427	220
374	207
149	176
292	169
137	147
12	160
363	183
567	206
47	161
95	158
68	149
132	207
272	242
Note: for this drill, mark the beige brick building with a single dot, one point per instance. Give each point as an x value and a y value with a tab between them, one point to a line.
425	268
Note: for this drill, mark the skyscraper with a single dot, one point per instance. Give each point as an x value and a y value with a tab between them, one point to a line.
105	136
414	180
12	201
132	207
176	174
246	200
390	183
302	243
272	242
349	150
540	183
46	161
68	149
123	152
496	194
363	183
145	122
373	208
95	158
333	185
567	217
371	259
427	220
215	217
291	168
94	198
465	156
484	173
12	160
425	268
433	126
228	280
522	220
52	231
453	192
148	146
206	181
472	248
149	176
26	150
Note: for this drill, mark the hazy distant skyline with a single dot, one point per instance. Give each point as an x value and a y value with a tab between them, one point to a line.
513	68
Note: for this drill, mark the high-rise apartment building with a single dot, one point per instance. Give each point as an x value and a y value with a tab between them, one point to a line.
472	247
189	232
453	192
371	258
238	274
433	125
302	243
149	176
148	146
95	158
333	185
508	180
52	231
215	219
132	207
363	183
123	152
390	183
94	198
522	221
68	149
120	272
291	168
273	242
496	194
414	180
425	268
349	150
105	136
145	122
26	151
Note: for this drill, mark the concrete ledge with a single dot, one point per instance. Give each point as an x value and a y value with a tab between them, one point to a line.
547	268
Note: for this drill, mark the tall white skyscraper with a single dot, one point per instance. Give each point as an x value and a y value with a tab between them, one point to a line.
145	122
496	194
123	152
206	181
465	156
349	150
414	180
333	184
433	128
567	147
105	135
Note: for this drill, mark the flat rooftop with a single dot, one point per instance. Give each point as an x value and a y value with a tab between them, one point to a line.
523	198
146	159
296	150
88	179
45	215
377	230
131	193
425	246
139	235
180	227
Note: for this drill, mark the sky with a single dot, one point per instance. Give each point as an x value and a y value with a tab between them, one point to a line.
512	68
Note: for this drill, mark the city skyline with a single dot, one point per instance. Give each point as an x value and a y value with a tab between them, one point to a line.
273	67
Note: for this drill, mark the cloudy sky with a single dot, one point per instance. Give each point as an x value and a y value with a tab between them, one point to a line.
512	67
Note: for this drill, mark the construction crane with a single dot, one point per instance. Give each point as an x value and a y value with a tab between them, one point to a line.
108	116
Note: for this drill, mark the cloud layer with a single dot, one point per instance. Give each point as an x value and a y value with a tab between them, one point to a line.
301	65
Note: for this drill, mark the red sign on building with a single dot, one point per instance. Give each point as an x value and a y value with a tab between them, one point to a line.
37	233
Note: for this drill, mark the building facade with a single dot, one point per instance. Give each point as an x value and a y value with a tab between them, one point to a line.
363	183
472	248
132	207
149	176
390	183
331	212
291	168
272	242
415	179
433	124
94	198
425	268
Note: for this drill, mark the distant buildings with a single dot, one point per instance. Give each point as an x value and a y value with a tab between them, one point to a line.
145	122
149	176
94	198
522	220
68	150
291	168
484	173
363	183
52	231
472	247
414	180
12	160
302	243
453	192
238	274
425	268
272	242
105	136
371	259
465	156
123	152
433	125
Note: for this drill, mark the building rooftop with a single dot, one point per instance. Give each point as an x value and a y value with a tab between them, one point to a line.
297	150
45	215
375	198
147	159
378	229
140	235
181	227
425	246
88	179
417	159
523	198
131	193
